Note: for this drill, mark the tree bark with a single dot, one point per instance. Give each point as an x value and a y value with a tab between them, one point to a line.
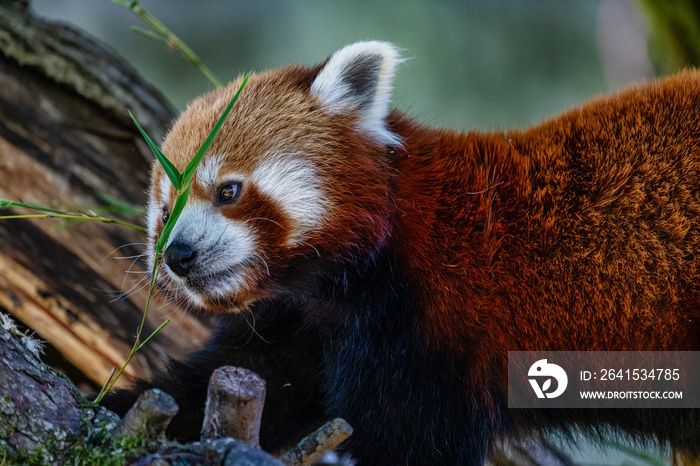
66	140
37	404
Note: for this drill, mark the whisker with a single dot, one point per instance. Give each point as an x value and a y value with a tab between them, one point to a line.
264	262
263	218
128	271
222	234
485	189
137	287
120	247
252	326
130	257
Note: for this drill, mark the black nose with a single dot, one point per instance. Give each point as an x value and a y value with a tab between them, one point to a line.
180	258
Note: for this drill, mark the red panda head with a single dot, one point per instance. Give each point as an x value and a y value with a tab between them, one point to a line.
298	171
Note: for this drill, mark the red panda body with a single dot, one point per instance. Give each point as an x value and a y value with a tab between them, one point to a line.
413	259
579	234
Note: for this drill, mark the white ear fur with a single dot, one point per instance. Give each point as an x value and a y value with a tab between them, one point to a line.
359	77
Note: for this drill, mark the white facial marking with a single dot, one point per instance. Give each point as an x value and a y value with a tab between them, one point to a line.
208	170
194	297
221	243
223	288
153	215
165	190
295	187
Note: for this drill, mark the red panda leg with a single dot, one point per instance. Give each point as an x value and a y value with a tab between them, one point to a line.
279	349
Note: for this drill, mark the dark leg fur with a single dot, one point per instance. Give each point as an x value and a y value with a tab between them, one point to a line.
408	403
280	350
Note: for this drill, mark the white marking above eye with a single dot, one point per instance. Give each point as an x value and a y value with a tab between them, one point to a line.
209	173
165	190
208	170
293	184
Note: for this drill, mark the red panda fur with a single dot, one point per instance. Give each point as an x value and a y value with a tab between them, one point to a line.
578	234
438	252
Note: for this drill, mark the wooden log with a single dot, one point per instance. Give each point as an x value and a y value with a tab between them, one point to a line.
312	448
150	415
66	140
234	405
36	403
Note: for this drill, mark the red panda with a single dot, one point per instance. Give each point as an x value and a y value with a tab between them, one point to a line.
394	265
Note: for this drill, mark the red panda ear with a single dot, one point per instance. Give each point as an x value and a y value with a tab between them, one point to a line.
359	77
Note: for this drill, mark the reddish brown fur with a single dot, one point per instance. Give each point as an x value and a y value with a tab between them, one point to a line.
579	234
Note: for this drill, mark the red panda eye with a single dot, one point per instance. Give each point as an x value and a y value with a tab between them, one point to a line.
166	215
228	192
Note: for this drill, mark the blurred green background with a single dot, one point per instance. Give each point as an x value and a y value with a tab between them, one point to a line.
472	64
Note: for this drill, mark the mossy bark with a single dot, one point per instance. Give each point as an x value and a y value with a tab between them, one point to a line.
41	410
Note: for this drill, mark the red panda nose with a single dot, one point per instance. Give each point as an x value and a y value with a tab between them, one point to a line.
180	258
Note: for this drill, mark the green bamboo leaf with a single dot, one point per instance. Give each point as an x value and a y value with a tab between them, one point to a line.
192	166
160	327
81	217
168	166
174	215
7	204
